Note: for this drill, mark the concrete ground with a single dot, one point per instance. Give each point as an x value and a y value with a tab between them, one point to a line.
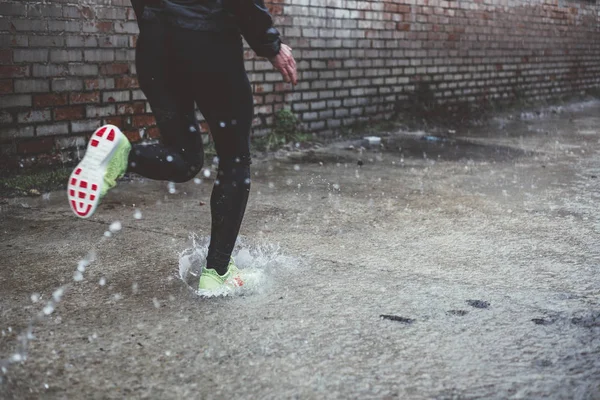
482	251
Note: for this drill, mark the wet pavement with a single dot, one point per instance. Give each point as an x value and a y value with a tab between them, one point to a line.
458	265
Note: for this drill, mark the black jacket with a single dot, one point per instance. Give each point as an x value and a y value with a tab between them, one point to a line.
250	17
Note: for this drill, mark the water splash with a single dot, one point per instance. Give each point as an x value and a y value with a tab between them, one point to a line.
259	264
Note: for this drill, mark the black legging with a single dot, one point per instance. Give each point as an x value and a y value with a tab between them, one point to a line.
177	68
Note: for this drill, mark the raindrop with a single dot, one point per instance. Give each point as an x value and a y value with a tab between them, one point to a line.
247	181
102	281
16	357
336	186
197	181
77	276
172	188
271	185
169	158
217	182
168	353
135	288
137	214
107	234
115	227
233	122
215	160
206	173
156	302
117	296
133	164
46	196
193	129
289	182
35	297
222	124
46	386
297	167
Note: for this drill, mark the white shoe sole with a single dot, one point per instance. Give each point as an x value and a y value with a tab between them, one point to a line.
87	180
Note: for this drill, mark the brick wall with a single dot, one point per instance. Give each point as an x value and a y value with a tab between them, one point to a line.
67	66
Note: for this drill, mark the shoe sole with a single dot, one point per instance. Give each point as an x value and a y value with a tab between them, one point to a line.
87	180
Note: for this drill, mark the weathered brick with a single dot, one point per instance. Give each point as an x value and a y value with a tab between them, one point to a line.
6	86
49	100
36	146
115	69
99	84
16	132
100	55
85	126
52	129
34	116
29	56
63	56
69	113
15	100
116	96
66	84
83	69
31	86
99	111
83	98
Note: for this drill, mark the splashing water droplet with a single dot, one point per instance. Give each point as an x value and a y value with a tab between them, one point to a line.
206	173
197	181
289	182
58	293
135	287
222	124
102	281
133	164
215	160
172	189
247	181
82	265
107	234
271	185
46	386
35	297
77	276
296	167
16	357
336	186
167	353
156	302
137	214
115	227
170	158
48	309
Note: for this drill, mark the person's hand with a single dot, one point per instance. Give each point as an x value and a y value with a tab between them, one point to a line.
284	62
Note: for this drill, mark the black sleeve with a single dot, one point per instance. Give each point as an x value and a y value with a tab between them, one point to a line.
256	25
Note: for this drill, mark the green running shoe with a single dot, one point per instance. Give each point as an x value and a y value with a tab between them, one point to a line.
104	162
211	283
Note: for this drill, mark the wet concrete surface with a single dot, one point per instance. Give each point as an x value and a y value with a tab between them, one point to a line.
462	268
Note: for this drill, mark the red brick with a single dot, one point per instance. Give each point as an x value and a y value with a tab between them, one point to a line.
83	98
126	82
153	132
105	27
5	56
133	135
35	146
116	121
6	86
140	121
14	71
49	100
114	69
69	113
